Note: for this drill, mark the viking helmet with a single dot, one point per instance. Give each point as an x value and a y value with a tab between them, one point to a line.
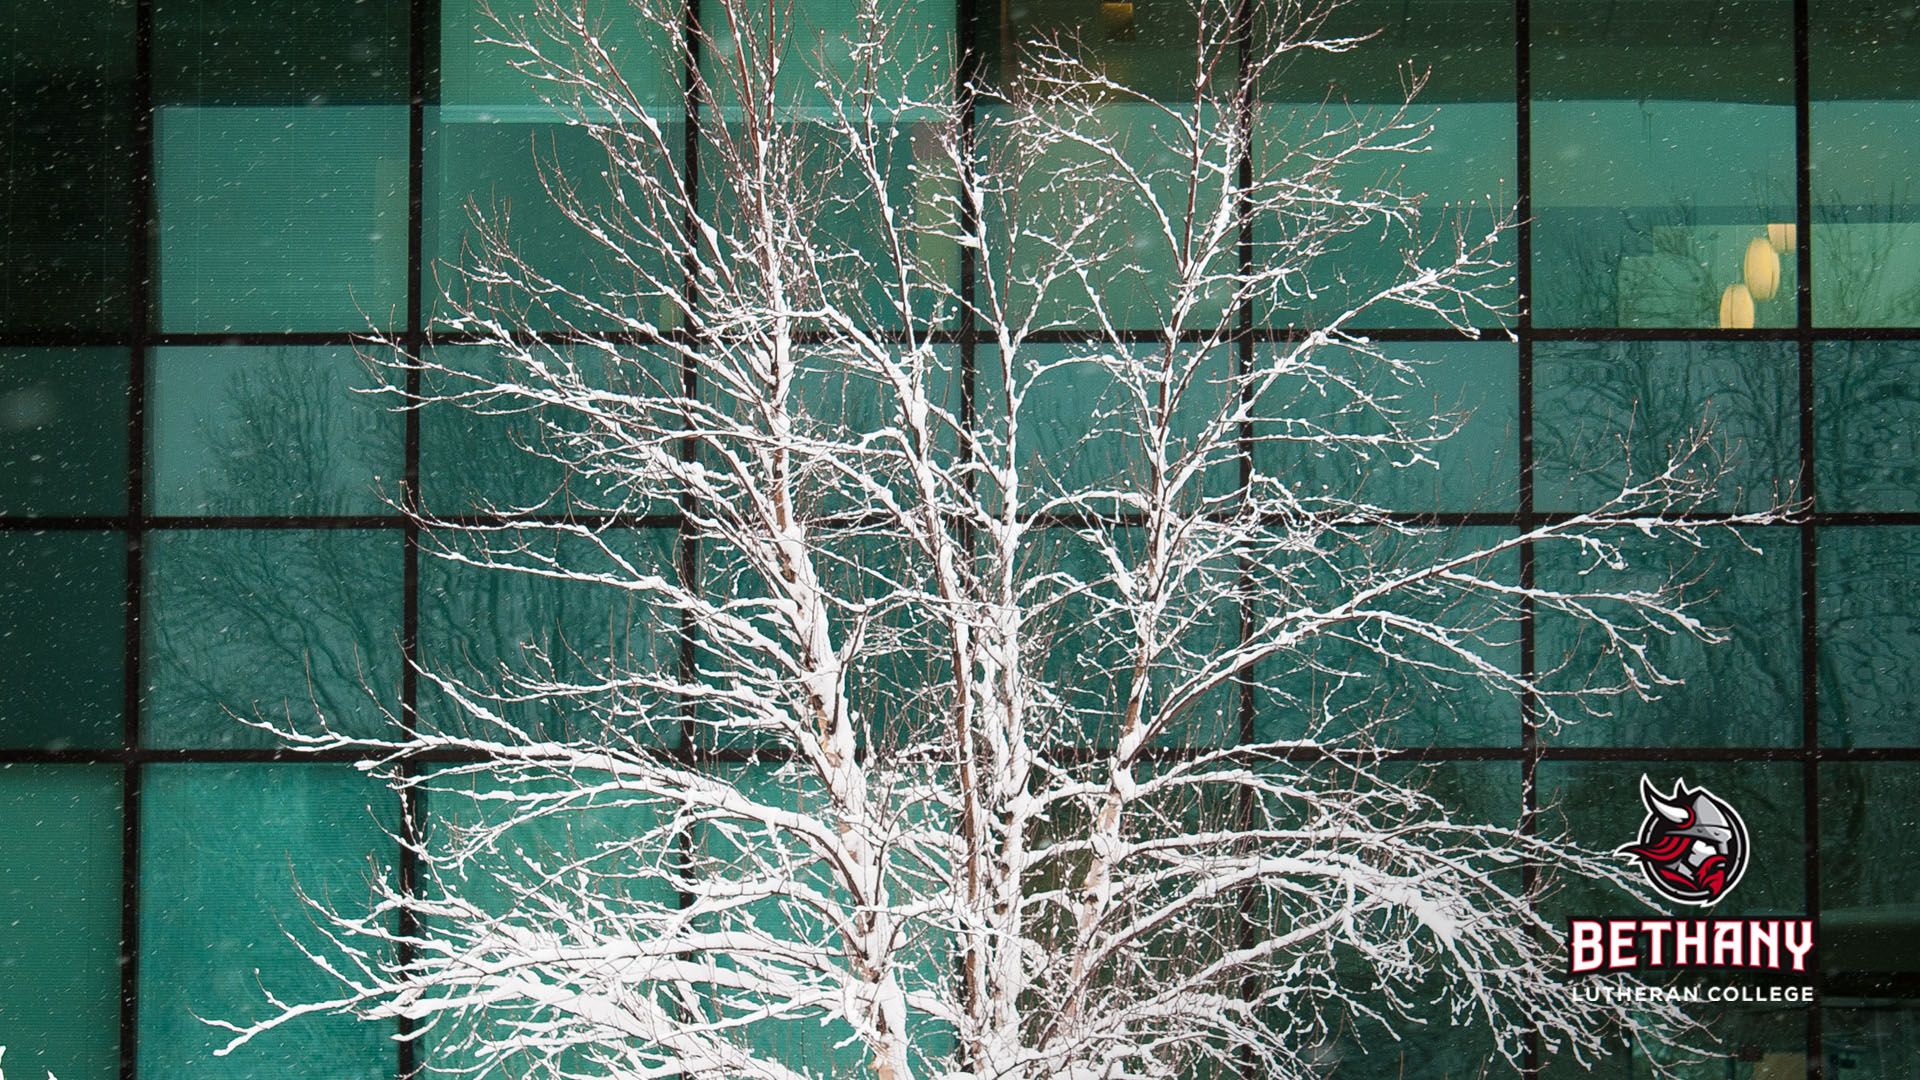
1693	812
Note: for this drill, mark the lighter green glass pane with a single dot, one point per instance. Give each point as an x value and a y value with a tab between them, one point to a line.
60	934
1129	255
1647	209
296	627
226	852
1082	429
481	459
741	852
1743	691
491	170
502	455
1463	181
63	431
1608	413
1081	656
915	63
479	73
512	879
897	681
1869	845
1663	146
1864	79
63	645
1455	59
269	430
1866	415
873	217
1866	215
281	219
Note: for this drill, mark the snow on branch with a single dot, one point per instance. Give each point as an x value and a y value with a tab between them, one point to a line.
982	688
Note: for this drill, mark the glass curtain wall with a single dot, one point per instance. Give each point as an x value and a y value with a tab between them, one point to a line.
208	201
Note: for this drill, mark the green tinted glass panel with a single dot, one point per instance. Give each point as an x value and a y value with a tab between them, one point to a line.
1866	223
480	73
1869	846
1872	1040
915	61
225	854
60	939
281	218
1430	1043
1086	660
288	625
1082	428
494	172
481	458
1866	164
499	453
63	431
531	864
898	681
1375	682
1663	147
1456	61
498	629
1747	1042
304	52
840	210
1744	691
1459	400
1462	48
62	656
1596	804
1148	47
845	405
269	430
1866	417
66	177
1869	636
876	215
1607	414
1082	247
745	853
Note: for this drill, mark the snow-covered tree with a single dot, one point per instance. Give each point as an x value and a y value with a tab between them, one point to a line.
976	687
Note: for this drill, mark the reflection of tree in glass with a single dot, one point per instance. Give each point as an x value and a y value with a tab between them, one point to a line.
273	622
1864	268
1610	412
1869	635
1867	408
292	435
1647	266
1017	882
1615	409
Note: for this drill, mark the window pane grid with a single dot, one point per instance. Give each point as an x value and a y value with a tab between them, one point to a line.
1829	334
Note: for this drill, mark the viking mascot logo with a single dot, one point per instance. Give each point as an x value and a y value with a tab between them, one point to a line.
1693	845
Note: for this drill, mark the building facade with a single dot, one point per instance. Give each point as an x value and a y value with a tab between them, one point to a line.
210	203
